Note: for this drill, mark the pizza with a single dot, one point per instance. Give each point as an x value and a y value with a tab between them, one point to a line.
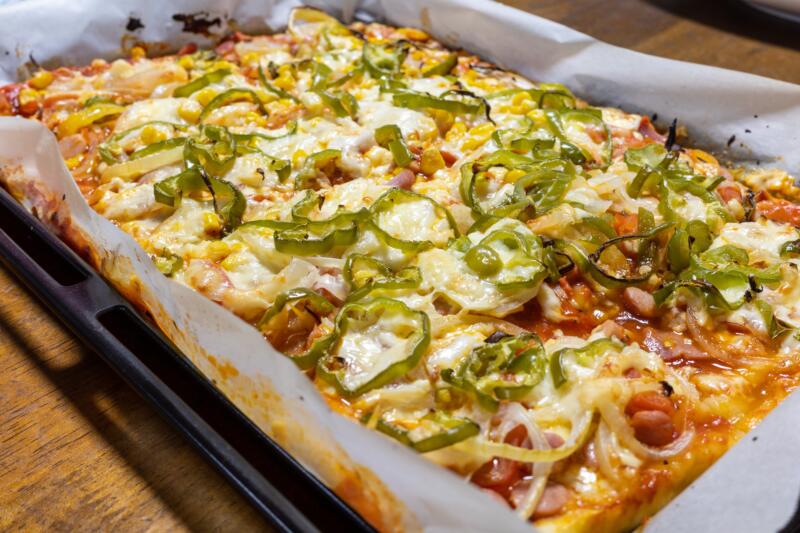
556	301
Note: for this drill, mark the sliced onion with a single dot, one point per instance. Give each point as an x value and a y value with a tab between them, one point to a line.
615	419
602	445
513	415
488	449
138	167
727	353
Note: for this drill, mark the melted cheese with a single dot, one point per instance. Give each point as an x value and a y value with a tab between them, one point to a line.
762	239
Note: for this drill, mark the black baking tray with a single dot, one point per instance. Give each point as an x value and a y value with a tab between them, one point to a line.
286	494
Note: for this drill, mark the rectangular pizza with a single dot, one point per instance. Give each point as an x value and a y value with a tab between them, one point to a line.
559	303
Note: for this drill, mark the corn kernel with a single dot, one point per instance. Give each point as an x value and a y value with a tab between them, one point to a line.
41	79
233	261
254	118
73	162
250	58
298	158
211	222
204	96
217	65
265	96
537	115
379	156
137	52
152	135
216	250
520	97
431	161
186	62
120	69
190	111
413	34
478	136
514	175
27	96
444	120
703	157
457	130
285	80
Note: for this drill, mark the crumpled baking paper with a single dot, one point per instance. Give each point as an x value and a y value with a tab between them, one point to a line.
390	485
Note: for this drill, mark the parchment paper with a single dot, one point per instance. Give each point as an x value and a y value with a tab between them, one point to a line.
389	484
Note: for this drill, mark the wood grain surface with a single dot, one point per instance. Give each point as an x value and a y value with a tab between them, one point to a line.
79	451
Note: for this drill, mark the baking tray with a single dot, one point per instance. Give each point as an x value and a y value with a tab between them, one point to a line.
286	494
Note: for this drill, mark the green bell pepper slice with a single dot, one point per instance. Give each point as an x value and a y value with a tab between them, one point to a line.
159	146
443	68
384	60
391	138
342	103
87	116
457	103
280	93
504	368
299	301
313	165
387	201
318	237
790	249
434	431
354	369
584	356
110	150
167	263
524	268
364	274
591	263
559	120
229	202
231	96
202	82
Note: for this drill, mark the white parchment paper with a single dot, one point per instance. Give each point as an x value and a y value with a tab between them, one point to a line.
713	103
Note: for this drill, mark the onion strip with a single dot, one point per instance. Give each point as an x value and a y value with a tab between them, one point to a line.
490	449
515	415
137	167
619	425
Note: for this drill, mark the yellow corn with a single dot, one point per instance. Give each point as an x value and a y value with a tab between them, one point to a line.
431	161
137	52
250	58
204	96
537	115
211	222
152	135
190	111
27	96
444	120
478	136
186	62
285	80
521	103
73	162
455	131
233	261
41	79
514	175
703	157
254	118
298	158
217	250
413	34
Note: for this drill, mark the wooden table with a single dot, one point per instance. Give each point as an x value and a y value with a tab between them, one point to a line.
80	451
